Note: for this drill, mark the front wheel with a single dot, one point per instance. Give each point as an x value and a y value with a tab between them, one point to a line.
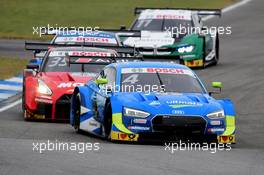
23	99
107	126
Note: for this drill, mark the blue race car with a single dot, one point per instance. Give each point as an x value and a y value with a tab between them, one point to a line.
135	101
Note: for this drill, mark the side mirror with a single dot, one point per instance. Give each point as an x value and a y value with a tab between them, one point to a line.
33	66
217	85
122	27
35	52
101	81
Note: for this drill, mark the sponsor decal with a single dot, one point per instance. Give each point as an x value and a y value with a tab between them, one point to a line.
216	129
150	40
29	114
89	60
170	16
123	136
194	63
166	14
83	74
166	70
159	70
94	123
188	56
226	139
216	122
38	116
69	85
154	103
172	102
81	39
41	100
140	121
79	53
86	34
92	54
139	128
178	112
83	60
92	39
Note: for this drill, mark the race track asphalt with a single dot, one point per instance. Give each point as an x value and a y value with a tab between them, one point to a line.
241	70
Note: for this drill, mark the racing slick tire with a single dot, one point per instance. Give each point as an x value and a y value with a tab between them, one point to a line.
23	101
107	124
23	106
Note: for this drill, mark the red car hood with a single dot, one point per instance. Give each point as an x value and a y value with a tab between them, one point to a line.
64	82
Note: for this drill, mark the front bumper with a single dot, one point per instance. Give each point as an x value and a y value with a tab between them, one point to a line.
51	110
164	128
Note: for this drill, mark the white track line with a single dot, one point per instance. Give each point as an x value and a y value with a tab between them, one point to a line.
15	79
10	87
229	8
6	95
10	105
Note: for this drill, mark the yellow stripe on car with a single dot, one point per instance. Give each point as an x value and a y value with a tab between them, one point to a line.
230	125
118	122
228	136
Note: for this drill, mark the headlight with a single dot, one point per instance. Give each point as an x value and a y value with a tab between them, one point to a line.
135	113
216	115
43	88
185	49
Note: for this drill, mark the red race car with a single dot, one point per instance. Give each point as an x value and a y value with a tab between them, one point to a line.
47	88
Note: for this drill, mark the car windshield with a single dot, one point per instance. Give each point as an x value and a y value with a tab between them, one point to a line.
160	79
160	24
56	62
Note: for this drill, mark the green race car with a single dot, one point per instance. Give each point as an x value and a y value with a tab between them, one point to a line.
176	34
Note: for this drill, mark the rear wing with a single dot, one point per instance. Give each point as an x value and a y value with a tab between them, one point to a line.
123	32
67	30
97	60
44	46
216	12
100	60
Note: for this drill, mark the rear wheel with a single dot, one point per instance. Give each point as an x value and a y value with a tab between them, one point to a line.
23	99
77	112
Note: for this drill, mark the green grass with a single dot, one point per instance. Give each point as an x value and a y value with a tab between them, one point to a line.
19	16
11	66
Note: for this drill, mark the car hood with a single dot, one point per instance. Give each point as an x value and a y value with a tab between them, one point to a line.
170	103
150	39
60	81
